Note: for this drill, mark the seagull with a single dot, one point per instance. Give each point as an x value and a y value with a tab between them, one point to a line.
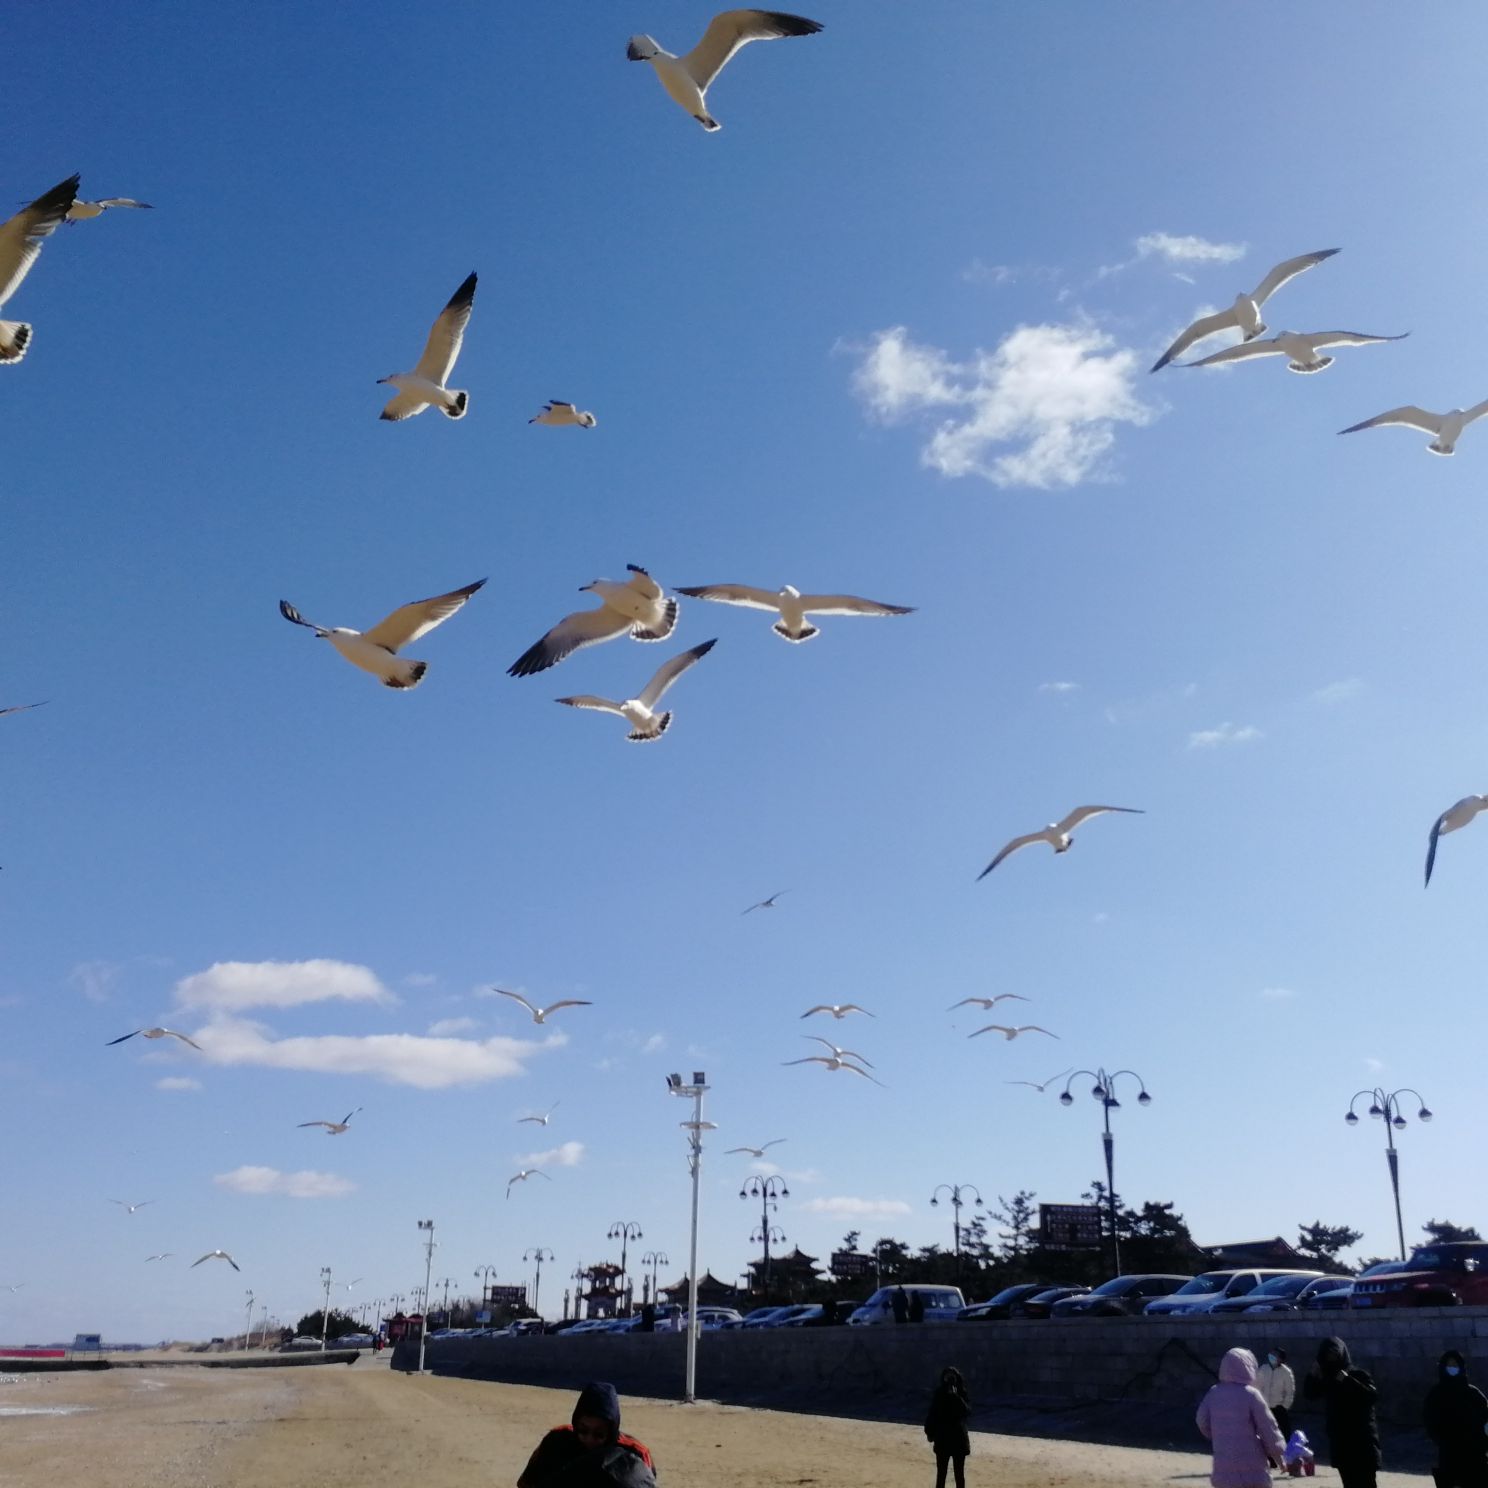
540	1015
838	1009
85	211
765	903
637	606
987	1003
833	1064
755	1151
20	242
349	1284
687	79
836	1052
131	1207
645	723
153	1033
426	383
523	1176
13	1289
1447	427
1245	314
163	1255
1056	834
1040	1088
1299	347
376	650
21	707
1011	1033
557	414
333	1128
793	606
1453	818
540	1120
216	1255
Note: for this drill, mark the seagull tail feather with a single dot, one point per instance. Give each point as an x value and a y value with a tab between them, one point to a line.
462	402
408	674
659	726
794	636
15	336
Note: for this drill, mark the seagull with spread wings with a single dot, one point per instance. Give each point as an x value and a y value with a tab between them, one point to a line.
333	1128
556	414
153	1033
832	1064
838	1010
376	650
1245	314
163	1255
1302	349
1446	427
543	1119
522	1176
637	606
688	78
21	708
646	724
131	1207
216	1255
85	211
835	1051
1010	1033
21	238
540	1014
1056	834
1453	819
765	903
425	385
1034	1085
988	1003
755	1152
792	606
12	1288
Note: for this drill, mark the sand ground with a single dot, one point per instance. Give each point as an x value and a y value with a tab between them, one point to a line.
348	1427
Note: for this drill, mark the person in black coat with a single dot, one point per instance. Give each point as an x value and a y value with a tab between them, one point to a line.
592	1452
1456	1420
1348	1396
945	1426
900	1305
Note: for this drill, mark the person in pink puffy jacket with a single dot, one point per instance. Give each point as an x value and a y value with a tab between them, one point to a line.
1237	1420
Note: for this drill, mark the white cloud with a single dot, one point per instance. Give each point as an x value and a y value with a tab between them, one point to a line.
1059	687
569	1155
1040	410
843	1207
420	979
655	1044
1339	692
94	979
178	1082
1374	1066
1187	249
236	986
1278	994
1226	733
446	1026
306	1184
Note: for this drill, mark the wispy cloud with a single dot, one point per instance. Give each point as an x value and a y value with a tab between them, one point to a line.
1040	410
1278	994
95	979
1338	692
305	1184
569	1155
844	1207
446	1026
420	979
1187	248
1060	688
1373	1065
236	986
178	1082
1226	733
979	271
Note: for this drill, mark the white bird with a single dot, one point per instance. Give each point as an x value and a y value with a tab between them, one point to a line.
333	1128
541	1120
131	1207
216	1255
1056	834
1447	427
13	1289
1011	1033
425	385
376	650
765	903
153	1033
163	1255
85	211
792	606
21	707
987	1003
838	1009
637	606
1034	1085
836	1052
688	78
832	1064
557	414
20	241
540	1015
755	1152
646	724
1245	314
1452	819
522	1176
353	1283
1300	348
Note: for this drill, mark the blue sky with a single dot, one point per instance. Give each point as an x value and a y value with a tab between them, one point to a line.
886	333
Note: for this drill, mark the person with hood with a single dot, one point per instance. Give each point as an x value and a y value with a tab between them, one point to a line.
900	1305
945	1426
1278	1387
592	1452
1240	1425
1348	1396
1457	1420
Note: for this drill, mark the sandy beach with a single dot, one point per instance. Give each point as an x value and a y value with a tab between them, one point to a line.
334	1426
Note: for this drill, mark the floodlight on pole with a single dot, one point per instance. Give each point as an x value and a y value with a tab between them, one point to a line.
696	1091
427	1225
325	1306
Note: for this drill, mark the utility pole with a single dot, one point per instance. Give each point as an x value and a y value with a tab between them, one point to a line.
325	1306
427	1225
538	1254
248	1328
696	1127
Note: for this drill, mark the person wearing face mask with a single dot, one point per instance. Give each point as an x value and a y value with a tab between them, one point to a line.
1456	1420
1348	1396
1278	1387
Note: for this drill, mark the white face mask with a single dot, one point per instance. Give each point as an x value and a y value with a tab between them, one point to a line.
1453	1369
1272	1359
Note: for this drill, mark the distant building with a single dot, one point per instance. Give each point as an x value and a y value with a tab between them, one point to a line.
711	1292
1259	1253
791	1275
601	1295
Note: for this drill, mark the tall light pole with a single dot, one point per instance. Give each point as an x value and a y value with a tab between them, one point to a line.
1104	1090
325	1306
427	1226
696	1127
653	1259
623	1230
1386	1107
956	1190
538	1254
446	1283
483	1274
767	1191
579	1274
248	1328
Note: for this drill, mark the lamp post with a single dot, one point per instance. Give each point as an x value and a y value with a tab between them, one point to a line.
653	1259
956	1190
538	1254
427	1226
697	1126
446	1282
483	1274
325	1306
248	1327
767	1235
623	1230
1104	1090
1385	1107
579	1275
767	1191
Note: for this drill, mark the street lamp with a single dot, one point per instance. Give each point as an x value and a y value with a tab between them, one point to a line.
1386	1107
325	1306
580	1274
538	1254
1104	1090
623	1230
697	1126
653	1259
483	1274
248	1328
427	1226
767	1191
446	1283
956	1190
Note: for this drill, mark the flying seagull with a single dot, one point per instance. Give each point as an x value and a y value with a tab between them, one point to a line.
349	1284
637	606
540	1120
376	650
765	903
557	414
540	1015
640	712
20	242
1056	834
1245	314
523	1176
131	1207
688	78
832	1064
792	606
1011	1033
425	385
84	211
333	1128
836	1052
1301	348
1447	427
216	1255
1033	1085
1451	820
987	1003
153	1033
755	1151
838	1009
13	1288
21	707
163	1255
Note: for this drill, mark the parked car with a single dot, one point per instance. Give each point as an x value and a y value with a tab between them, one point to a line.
710	1319
589	1325
562	1325
1264	1299
760	1317
941	1304
812	1316
1209	1287
1285	1287
997	1307
1435	1276
1041	1303
788	1315
1122	1296
1335	1301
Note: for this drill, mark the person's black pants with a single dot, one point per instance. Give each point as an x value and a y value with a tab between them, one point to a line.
1283	1420
942	1461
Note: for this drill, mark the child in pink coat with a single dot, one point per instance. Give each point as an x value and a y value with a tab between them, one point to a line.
1237	1420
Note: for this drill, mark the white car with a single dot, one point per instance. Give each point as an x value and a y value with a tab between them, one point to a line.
713	1318
941	1304
1209	1288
